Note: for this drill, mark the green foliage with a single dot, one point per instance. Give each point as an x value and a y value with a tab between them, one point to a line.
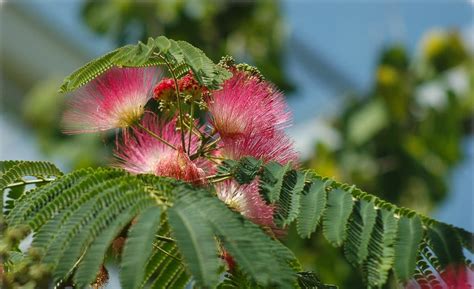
381	249
89	71
313	203
380	236
196	242
337	214
360	228
16	175
309	280
165	267
410	234
251	248
138	247
179	56
174	230
76	218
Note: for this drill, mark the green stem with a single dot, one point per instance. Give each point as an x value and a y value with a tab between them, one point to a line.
217	180
156	136
29	182
180	109
191	124
167	253
205	148
166	239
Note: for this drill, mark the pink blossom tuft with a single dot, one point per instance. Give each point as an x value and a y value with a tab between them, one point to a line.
246	200
164	90
116	99
142	153
247	105
274	146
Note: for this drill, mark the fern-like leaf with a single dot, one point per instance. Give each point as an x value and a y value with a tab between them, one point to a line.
337	214
360	227
443	241
138	247
88	72
178	56
196	242
313	203
381	249
165	268
251	248
16	175
289	205
410	234
369	231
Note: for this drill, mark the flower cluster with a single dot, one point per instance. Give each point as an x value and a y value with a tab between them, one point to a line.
246	117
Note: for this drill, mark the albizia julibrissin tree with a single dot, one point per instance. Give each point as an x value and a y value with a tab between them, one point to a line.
204	185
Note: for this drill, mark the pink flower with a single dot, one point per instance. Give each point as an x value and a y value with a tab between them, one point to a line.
165	90
274	146
189	85
246	200
246	105
116	99
142	153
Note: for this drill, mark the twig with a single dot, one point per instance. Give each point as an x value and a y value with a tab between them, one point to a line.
156	136
30	182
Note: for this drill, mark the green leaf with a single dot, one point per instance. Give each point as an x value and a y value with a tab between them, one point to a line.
410	233
94	256
271	181
196	243
381	249
339	208
289	201
466	238
247	170
359	230
251	248
165	268
17	171
445	244
138	247
205	71
180	56
309	280
313	203
88	72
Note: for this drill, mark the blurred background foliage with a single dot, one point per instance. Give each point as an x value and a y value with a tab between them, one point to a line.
399	140
402	139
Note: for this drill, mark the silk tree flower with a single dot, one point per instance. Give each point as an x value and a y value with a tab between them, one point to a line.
140	152
274	146
116	99
246	200
246	105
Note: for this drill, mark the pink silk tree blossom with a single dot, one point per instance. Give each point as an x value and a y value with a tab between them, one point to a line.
246	105
116	99
140	152
274	146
